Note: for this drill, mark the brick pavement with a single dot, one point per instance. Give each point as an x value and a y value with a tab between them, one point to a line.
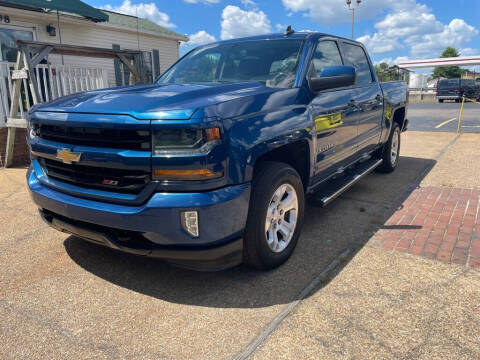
435	222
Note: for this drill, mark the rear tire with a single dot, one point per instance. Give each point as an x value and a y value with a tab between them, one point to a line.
275	216
440	101
391	150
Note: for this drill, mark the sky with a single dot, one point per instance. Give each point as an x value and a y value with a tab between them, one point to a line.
392	30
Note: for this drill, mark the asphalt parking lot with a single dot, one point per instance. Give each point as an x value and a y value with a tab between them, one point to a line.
72	297
61	297
343	294
426	116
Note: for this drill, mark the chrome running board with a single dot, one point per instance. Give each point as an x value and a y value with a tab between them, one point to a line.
336	187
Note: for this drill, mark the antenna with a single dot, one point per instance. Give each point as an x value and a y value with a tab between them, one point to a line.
289	30
138	32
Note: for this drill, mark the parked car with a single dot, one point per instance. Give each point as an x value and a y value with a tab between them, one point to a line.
210	166
455	89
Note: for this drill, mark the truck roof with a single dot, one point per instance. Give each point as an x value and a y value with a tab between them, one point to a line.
295	35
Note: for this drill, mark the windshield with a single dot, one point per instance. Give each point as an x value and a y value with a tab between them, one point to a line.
272	62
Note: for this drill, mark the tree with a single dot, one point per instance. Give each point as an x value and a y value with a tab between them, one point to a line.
387	73
382	72
448	72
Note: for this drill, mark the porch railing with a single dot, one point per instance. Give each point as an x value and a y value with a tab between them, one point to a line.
54	81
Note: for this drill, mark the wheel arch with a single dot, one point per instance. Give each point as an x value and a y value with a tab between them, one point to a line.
296	154
399	116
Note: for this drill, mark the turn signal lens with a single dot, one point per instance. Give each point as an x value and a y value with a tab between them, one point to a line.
197	174
212	134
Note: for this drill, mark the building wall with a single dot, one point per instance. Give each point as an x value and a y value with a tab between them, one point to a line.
471	75
104	38
418	80
21	155
86	33
82	33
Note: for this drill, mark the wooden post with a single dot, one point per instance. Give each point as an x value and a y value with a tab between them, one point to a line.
25	73
131	68
17	84
32	77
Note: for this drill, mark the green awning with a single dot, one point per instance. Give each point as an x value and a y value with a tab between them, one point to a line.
69	6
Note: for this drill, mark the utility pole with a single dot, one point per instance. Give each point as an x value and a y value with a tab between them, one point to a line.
352	9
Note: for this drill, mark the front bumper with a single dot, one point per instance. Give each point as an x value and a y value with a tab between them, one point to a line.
154	228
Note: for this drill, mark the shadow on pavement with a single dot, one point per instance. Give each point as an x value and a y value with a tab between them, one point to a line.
348	222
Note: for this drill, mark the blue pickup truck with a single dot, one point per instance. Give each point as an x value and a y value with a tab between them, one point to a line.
211	165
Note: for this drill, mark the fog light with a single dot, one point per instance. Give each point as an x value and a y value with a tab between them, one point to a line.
190	222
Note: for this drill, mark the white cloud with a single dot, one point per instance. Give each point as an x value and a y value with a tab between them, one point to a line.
379	44
469	52
392	61
200	38
415	29
148	11
331	12
456	34
415	19
202	1
249	4
239	23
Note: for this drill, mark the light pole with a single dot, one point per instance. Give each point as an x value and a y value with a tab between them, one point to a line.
352	9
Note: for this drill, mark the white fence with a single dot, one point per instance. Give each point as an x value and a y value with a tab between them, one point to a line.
53	81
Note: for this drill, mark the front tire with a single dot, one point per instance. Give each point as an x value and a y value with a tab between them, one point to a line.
440	101
391	150
275	216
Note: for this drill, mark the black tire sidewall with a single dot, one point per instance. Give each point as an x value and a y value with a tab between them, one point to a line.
264	188
387	165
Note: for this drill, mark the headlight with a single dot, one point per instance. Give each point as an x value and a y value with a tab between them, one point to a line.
33	129
170	142
184	141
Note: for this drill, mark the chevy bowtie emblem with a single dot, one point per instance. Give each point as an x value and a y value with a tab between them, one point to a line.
68	157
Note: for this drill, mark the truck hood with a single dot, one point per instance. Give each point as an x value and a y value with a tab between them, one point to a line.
176	101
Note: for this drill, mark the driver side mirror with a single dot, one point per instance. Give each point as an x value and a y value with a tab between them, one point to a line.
333	77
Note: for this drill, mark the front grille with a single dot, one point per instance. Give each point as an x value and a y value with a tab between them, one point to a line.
95	137
115	180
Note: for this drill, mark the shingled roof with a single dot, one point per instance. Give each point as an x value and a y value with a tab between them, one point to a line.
75	7
143	24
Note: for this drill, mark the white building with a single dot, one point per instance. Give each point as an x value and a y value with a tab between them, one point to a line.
73	22
27	20
418	80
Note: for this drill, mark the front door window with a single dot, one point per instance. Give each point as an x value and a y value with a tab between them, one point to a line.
334	118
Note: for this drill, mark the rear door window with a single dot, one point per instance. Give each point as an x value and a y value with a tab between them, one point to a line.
357	58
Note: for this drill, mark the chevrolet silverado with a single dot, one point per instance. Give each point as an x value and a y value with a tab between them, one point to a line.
210	166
